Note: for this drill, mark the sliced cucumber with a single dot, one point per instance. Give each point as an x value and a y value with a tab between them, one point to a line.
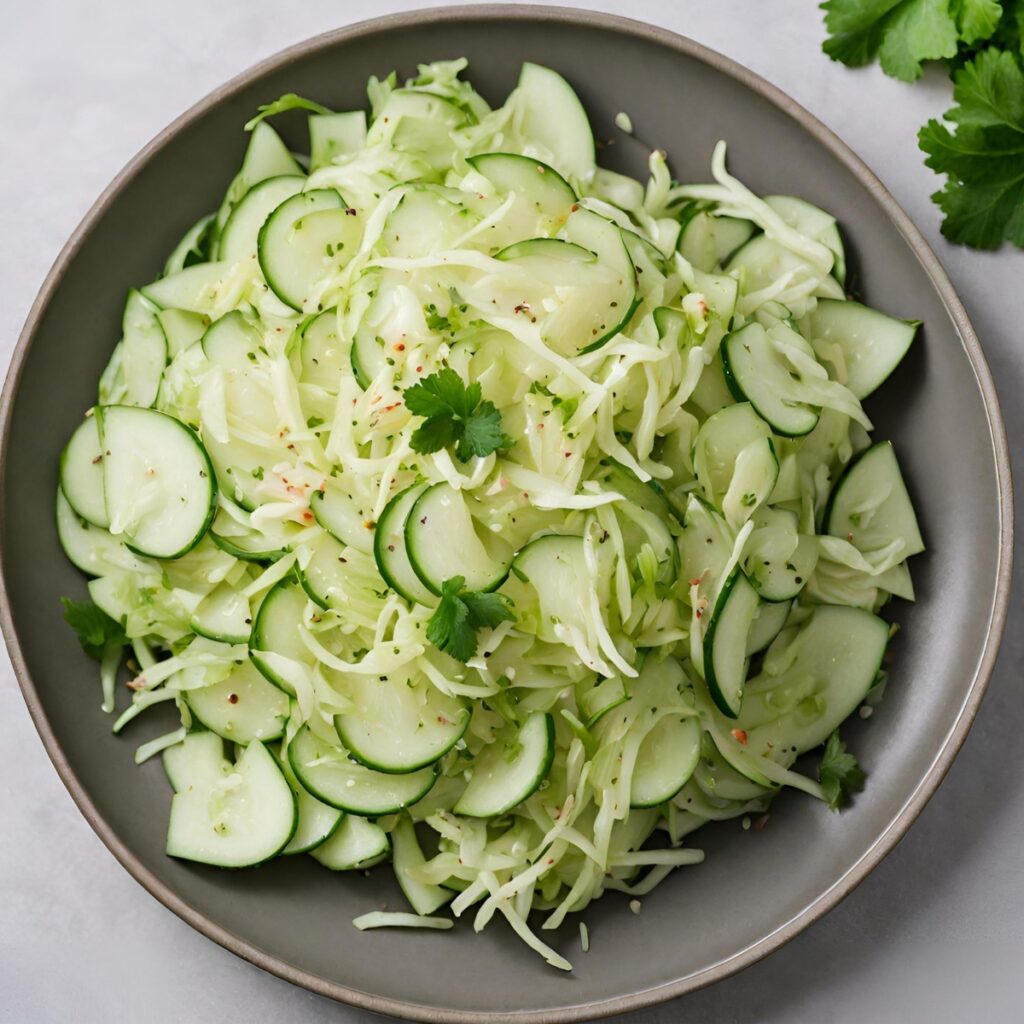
778	560
762	261
355	844
91	549
192	762
422	897
719	781
543	197
597	700
308	237
551	114
234	816
666	761
247	547
321	353
81	474
705	547
194	289
238	239
443	540
143	351
323	577
193	247
317	821
181	328
400	723
242	708
331	776
870	507
509	769
390	552
726	640
345	520
814	223
707	241
757	373
332	135
825	674
767	625
871	343
275	631
427	219
223	614
158	481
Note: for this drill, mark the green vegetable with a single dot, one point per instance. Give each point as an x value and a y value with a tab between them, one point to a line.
289	101
461	614
101	638
983	159
983	155
839	773
455	415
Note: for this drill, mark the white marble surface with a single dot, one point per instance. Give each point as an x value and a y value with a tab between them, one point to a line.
934	934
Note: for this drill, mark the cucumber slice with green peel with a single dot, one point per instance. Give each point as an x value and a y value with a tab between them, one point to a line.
510	769
332	135
814	223
232	342
275	632
81	474
712	394
322	356
307	238
543	198
758	373
266	156
667	758
332	776
241	708
235	816
718	444
707	241
768	623
549	258
598	700
317	820
778	559
181	328
720	291
247	547
725	643
323	577
238	238
423	897
443	539
760	262
343	518
868	344
143	351
198	758
400	723
223	614
194	289
718	780
551	115
91	549
870	507
159	484
427	219
822	676
389	549
194	246
355	844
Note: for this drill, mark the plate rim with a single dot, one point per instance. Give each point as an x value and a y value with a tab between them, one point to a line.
947	751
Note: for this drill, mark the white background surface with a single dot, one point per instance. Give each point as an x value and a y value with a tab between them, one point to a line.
934	934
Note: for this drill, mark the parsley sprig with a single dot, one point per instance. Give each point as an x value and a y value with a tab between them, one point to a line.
980	147
101	638
456	414
839	773
461	614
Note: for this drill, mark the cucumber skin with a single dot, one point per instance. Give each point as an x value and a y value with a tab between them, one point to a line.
709	641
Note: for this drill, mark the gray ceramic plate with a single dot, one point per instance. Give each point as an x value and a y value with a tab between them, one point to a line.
756	890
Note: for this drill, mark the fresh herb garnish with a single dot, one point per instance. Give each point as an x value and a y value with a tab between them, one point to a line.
289	101
839	773
456	414
980	148
461	614
97	632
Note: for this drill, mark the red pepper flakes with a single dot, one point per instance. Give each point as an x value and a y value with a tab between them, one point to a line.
740	736
307	516
232	698
400	347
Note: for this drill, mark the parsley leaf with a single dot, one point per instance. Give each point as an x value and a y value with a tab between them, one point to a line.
96	630
289	101
455	415
983	158
900	33
839	773
461	613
